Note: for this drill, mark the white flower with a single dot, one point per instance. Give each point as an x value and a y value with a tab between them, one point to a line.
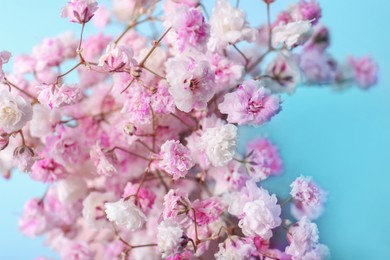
291	34
15	112
228	25
220	144
125	213
93	212
235	248
71	189
169	235
43	120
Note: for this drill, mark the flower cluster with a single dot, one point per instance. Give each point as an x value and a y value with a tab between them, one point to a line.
140	153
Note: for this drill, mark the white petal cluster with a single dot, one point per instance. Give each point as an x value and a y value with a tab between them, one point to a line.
228	25
291	34
219	143
125	213
169	234
71	189
15	112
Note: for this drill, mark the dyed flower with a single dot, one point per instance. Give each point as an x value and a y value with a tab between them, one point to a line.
15	112
47	170
54	96
191	28
25	157
250	104
103	161
175	159
117	58
49	53
176	203
228	25
263	160
291	34
310	11
236	248
33	221
192	83
169	237
145	197
260	216
80	11
227	72
318	68
207	211
304	242
283	73
365	71
219	144
125	213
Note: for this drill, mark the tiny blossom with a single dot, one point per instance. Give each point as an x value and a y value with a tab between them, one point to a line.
261	215
175	159
25	157
102	161
4	58
318	68
102	17
283	72
33	221
117	58
227	72
263	160
191	28
220	144
192	83
304	241
80	11
304	190
250	104
365	71
304	10
93	208
207	211
125	213
145	196
47	170
319	40
228	25
235	248
176	203
54	96
169	237
291	34
50	52
15	112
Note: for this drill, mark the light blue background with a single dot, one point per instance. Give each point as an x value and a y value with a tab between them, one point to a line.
342	139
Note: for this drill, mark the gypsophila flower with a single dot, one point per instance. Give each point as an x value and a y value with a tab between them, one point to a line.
169	236
291	34
103	161
15	112
125	213
365	71
117	58
220	144
80	11
250	104
175	159
235	248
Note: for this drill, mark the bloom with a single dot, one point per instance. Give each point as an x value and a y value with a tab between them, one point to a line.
117	58
303	241
250	104
103	161
125	213
47	170
15	112
291	34
365	71
169	236
80	11
192	83
261	215
54	96
235	248
176	159
219	144
228	25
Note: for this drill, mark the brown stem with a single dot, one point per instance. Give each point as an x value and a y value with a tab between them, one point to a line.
69	71
181	120
129	152
162	181
22	136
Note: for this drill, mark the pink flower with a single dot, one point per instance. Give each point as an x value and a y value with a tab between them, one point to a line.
137	106
145	197
4	58
304	241
250	104
33	221
227	72
207	211
263	160
365	71
47	170
235	247
102	17
94	45
319	40
103	161
192	83
176	203
54	96
162	100
80	11
318	67
117	58
25	157
176	159
49	53
304	10
191	28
